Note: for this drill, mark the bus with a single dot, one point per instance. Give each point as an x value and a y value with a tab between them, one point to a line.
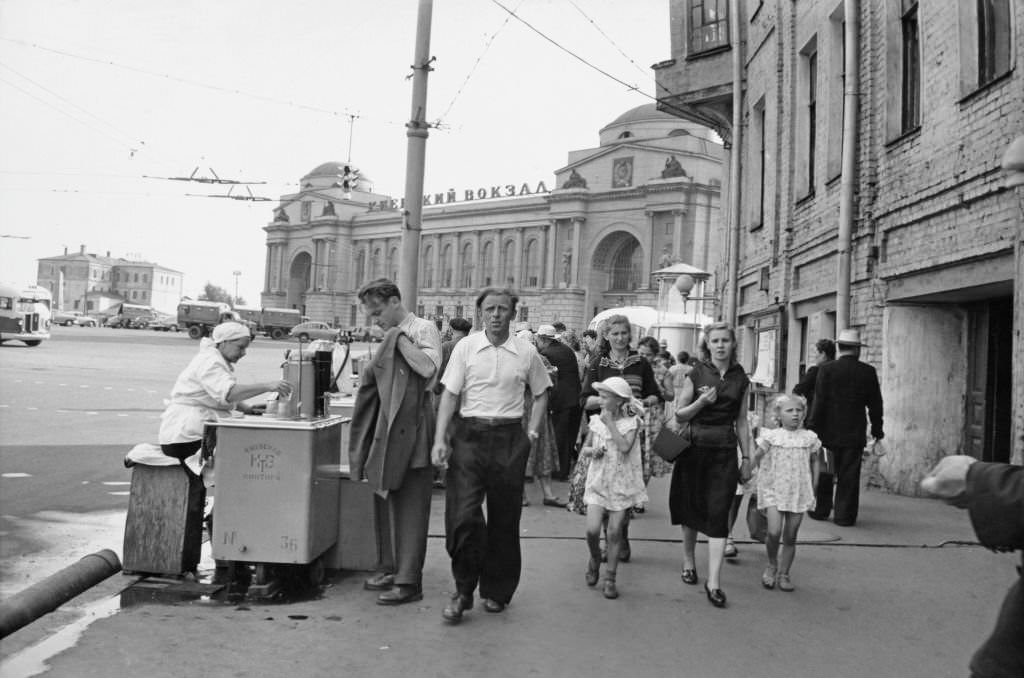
25	313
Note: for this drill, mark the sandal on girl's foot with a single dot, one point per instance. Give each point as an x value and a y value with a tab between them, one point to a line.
610	591
784	583
689	576
768	577
593	571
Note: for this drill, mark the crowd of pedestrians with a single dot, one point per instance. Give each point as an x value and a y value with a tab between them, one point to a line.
520	407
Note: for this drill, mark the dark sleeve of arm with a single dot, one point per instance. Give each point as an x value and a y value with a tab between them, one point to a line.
875	408
995	501
806	385
820	400
588	381
650	383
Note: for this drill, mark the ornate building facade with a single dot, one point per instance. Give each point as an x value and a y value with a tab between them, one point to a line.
646	197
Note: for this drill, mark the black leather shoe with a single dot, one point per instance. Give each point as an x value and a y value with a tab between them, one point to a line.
493	606
715	596
817	516
452	612
689	577
382	581
399	594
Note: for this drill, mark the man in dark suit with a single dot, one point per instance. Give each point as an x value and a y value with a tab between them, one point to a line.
844	389
993	494
825	352
566	396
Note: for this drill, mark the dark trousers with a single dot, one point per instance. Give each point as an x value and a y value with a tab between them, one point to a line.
565	440
847	486
409	509
487	463
193	546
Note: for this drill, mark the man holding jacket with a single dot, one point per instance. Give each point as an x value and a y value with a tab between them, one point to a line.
392	430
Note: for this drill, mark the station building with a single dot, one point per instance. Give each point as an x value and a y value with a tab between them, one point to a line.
647	196
931	272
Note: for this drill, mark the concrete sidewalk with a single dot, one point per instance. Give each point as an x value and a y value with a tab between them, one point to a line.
899	594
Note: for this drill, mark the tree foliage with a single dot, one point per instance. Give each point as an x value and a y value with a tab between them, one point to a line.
212	292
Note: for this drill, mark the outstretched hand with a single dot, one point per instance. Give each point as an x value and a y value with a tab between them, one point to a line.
948	480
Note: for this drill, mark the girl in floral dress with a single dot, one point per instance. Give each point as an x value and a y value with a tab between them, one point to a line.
786	480
615	480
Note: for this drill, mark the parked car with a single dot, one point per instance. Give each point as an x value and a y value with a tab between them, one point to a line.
86	321
313	330
169	324
366	334
65	318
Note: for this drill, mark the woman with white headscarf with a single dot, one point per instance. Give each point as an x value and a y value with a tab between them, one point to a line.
205	391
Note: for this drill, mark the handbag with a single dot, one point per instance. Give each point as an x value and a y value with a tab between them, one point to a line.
670	444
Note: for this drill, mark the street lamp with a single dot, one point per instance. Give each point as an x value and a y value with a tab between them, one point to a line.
237	274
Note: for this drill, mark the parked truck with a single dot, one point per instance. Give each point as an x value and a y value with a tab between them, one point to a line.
272	322
198	318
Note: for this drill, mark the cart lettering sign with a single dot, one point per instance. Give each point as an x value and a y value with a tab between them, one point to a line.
262	462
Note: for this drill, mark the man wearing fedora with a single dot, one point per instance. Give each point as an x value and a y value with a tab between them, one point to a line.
844	389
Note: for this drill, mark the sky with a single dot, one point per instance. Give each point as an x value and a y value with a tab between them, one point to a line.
97	95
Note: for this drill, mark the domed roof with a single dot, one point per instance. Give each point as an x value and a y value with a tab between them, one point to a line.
645	113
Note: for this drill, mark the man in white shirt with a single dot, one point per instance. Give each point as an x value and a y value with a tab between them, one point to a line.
484	385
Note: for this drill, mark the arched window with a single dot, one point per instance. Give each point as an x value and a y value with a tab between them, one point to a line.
467	266
627	267
508	258
375	263
446	266
427	267
531	271
393	264
487	264
360	267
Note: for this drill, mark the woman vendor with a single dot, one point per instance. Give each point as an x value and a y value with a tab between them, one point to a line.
205	391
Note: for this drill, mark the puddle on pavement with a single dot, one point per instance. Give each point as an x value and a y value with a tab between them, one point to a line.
32	660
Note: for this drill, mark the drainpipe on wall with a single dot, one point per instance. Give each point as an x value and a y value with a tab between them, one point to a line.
731	304
851	104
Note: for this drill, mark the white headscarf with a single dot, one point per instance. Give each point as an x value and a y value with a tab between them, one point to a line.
229	331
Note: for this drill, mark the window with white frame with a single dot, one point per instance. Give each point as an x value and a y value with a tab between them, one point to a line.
708	25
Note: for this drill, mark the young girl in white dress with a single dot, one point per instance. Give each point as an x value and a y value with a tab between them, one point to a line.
787	476
615	478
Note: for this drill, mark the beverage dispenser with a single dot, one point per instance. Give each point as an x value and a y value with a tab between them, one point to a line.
309	373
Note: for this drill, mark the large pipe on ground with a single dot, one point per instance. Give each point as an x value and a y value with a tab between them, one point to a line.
26	606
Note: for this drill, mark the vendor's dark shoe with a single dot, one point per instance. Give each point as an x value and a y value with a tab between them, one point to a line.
493	606
556	502
715	596
452	612
689	576
400	594
382	581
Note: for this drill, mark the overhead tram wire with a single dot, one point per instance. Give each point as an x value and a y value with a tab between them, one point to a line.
487	46
196	83
608	38
669	106
126	137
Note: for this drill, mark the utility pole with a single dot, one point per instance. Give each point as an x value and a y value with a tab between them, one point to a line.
236	274
416	153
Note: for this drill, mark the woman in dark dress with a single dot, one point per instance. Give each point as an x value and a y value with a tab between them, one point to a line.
713	400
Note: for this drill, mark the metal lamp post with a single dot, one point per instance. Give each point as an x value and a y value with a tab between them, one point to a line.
237	274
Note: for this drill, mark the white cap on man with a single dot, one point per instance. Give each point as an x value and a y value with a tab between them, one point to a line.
547	331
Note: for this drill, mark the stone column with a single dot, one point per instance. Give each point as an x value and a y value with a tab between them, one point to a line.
499	274
550	279
477	254
282	274
457	262
267	267
677	238
437	261
545	248
517	260
574	277
649	259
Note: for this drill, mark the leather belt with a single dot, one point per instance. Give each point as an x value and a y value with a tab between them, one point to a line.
493	421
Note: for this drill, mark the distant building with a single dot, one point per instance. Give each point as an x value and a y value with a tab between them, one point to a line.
646	196
932	271
92	283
